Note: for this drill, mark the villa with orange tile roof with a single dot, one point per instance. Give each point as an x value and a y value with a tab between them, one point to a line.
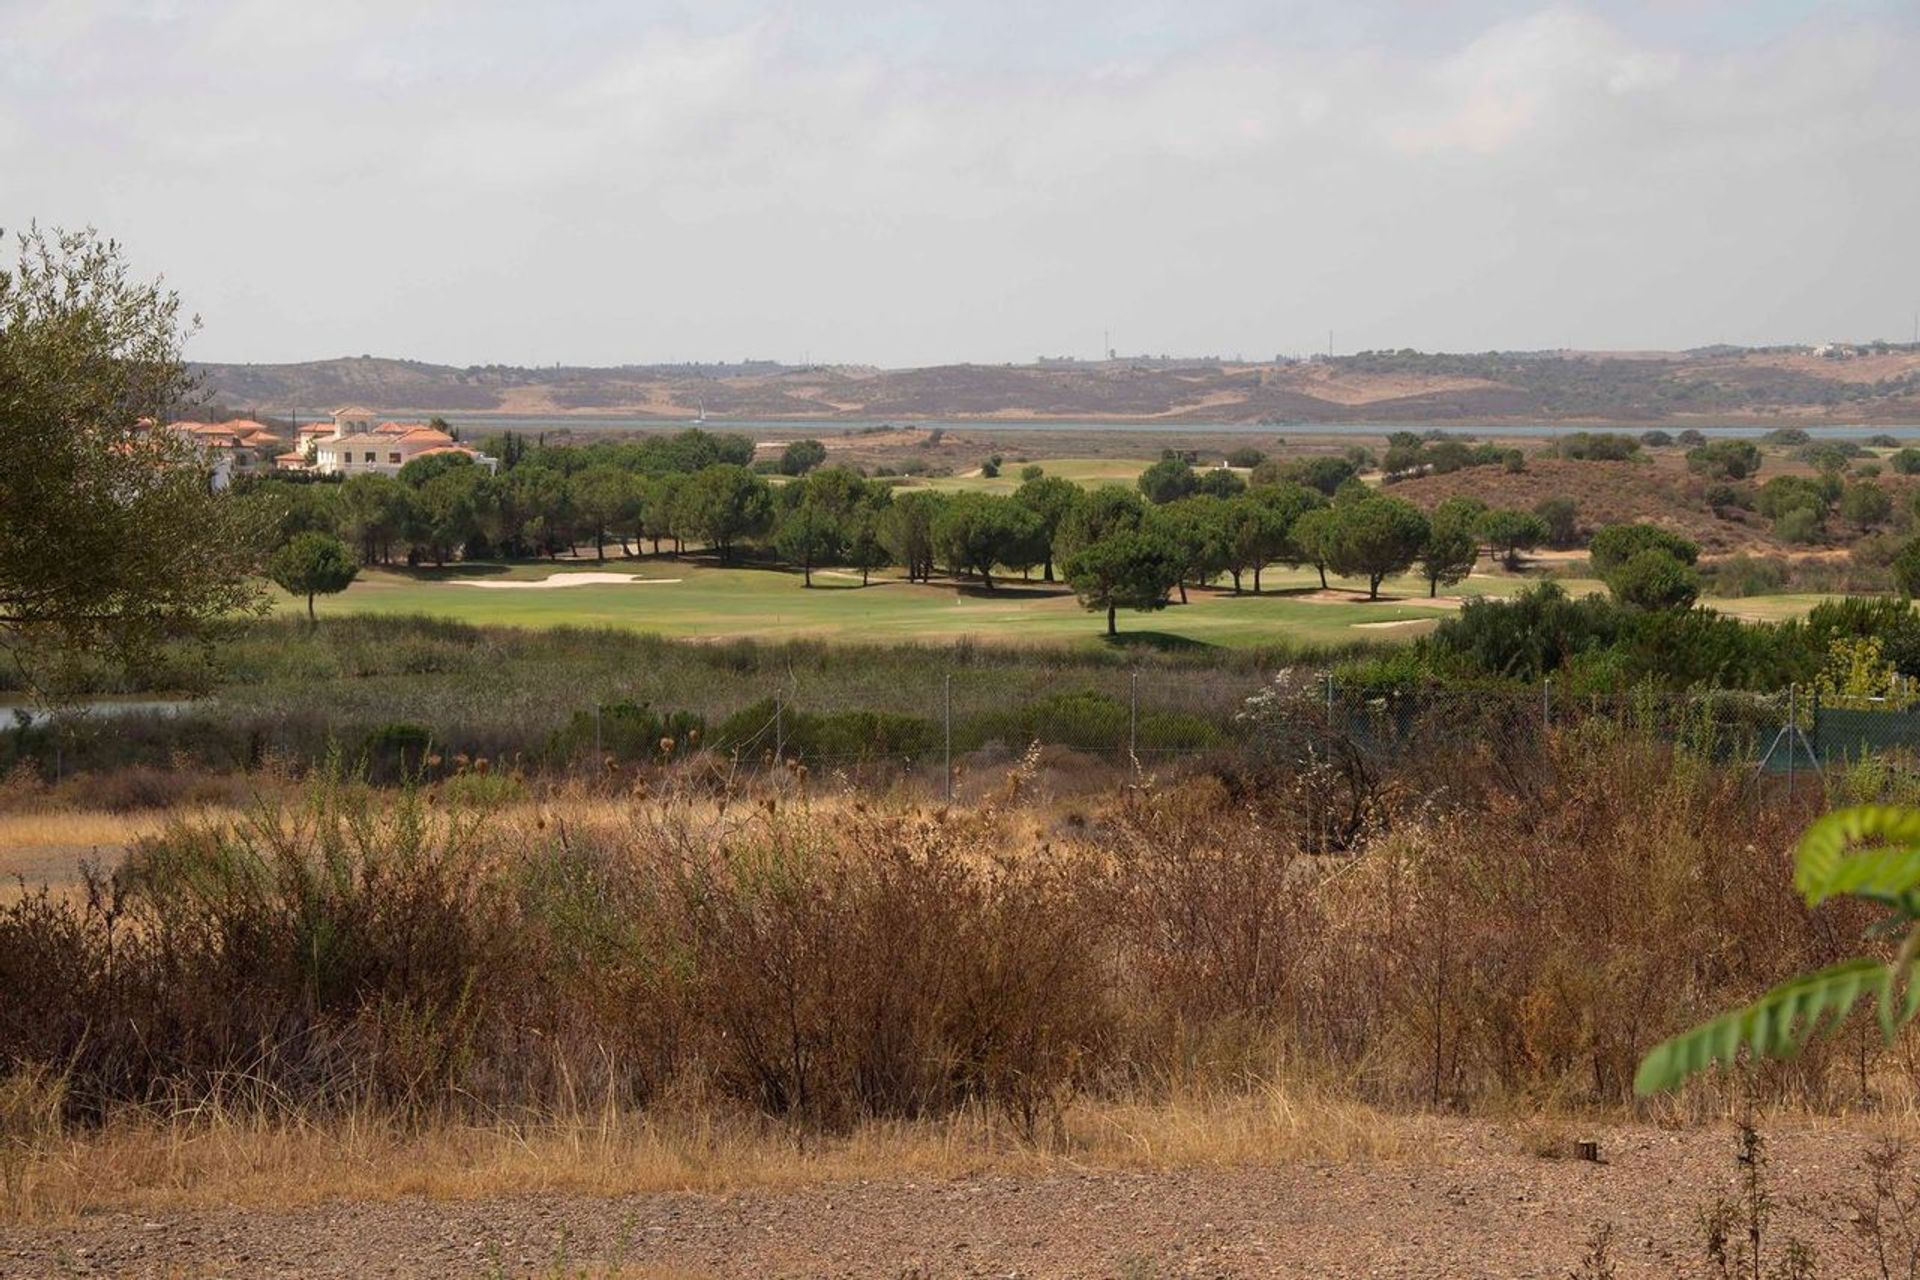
355	446
239	447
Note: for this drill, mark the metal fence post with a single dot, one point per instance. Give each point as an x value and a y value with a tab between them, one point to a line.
1546	702
1133	716
599	752
1793	731
1813	729
779	731
946	720
1329	697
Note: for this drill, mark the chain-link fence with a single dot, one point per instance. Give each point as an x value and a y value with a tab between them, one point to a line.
1144	719
960	719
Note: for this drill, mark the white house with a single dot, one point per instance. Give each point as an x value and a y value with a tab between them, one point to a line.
355	446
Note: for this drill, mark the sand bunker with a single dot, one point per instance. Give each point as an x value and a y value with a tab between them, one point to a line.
1397	622
566	580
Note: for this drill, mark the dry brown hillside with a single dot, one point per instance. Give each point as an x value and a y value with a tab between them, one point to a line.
1373	387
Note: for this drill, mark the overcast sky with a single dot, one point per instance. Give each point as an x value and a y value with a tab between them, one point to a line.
919	183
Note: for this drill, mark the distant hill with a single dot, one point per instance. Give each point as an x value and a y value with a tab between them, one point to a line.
1868	384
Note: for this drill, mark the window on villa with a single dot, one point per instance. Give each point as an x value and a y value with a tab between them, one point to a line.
393	457
369	457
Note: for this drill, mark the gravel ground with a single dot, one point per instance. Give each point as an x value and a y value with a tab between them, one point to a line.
1479	1206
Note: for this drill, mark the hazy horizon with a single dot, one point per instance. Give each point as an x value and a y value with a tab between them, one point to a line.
606	184
1121	358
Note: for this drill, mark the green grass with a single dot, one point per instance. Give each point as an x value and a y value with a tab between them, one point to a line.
708	602
1778	608
1091	472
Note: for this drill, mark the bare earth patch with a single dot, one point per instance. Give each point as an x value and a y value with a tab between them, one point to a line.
1480	1205
568	580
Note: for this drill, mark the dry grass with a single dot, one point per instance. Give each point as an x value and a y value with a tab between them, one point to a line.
259	1159
66	829
48	846
365	995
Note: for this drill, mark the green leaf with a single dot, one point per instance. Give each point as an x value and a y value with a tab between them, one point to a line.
1823	867
1883	875
1776	1025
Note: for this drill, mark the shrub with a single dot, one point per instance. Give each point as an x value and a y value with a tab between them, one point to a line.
1866	504
1830	455
1325	474
1783	494
1893	623
1800	525
1906	569
1906	461
417	962
1725	459
1088	721
628	731
1745	575
802	456
1596	447
1562	518
813	738
1219	482
1722	497
396	752
1168	480
1614	545
1654	579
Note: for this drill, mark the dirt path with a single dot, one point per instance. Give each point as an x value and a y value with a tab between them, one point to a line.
1480	1206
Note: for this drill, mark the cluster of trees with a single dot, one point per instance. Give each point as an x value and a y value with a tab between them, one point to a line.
693	486
1118	548
1602	644
1799	506
1409	455
1588	446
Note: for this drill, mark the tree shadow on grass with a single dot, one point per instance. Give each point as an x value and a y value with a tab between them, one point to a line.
1159	641
451	572
1015	590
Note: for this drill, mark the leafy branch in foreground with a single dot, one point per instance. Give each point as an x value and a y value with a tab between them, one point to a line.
112	540
1870	852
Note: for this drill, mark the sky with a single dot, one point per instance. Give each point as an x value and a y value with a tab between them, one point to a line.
472	181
